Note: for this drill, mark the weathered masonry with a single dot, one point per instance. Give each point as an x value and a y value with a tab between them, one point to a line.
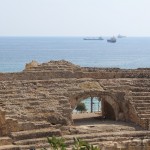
43	96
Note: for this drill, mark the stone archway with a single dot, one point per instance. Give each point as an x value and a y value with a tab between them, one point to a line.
110	107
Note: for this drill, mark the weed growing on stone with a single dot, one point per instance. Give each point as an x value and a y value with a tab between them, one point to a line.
59	144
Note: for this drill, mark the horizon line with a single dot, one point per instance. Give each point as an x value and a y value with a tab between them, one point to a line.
69	36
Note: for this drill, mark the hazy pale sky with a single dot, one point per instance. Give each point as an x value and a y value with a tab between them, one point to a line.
74	17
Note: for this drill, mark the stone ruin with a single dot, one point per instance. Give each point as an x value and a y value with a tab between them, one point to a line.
38	102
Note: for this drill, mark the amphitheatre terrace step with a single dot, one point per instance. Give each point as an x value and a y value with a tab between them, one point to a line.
107	134
11	96
142	105
32	118
116	87
52	69
141	97
30	102
140	93
144	111
140	89
35	133
9	91
43	141
142	83
28	125
5	141
43	67
38	146
9	147
31	141
34	99
141	108
95	138
144	115
140	101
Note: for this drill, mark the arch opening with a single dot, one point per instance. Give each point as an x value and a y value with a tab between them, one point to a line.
92	105
99	107
108	111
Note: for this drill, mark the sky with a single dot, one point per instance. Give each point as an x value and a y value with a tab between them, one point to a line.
74	17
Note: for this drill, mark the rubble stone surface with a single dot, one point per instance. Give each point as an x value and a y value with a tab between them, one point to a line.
39	101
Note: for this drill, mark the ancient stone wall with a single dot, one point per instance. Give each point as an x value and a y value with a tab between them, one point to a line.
44	95
74	82
64	69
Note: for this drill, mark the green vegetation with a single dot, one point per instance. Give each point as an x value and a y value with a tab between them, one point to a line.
59	144
82	145
81	107
56	143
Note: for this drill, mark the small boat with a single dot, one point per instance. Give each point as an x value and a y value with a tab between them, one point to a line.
121	36
112	40
93	38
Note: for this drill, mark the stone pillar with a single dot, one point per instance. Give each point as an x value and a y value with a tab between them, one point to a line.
2	122
102	107
91	104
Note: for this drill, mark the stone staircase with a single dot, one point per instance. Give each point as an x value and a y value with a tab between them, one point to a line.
20	98
140	100
106	138
31	109
28	139
36	108
23	139
34	138
6	143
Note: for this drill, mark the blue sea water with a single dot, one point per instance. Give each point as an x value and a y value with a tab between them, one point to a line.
129	52
96	104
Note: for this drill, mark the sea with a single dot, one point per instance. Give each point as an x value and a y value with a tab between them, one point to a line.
126	53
